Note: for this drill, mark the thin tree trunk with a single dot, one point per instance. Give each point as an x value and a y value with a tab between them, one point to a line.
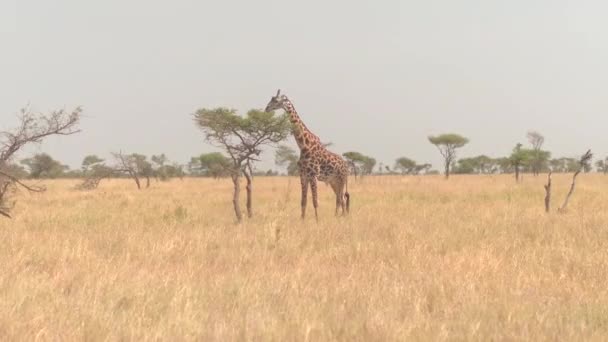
235	198
447	170
136	181
563	207
249	189
517	173
548	193
147	181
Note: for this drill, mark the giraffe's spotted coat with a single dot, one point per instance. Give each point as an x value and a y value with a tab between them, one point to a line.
316	162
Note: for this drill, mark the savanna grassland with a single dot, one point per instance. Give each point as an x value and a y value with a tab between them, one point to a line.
419	258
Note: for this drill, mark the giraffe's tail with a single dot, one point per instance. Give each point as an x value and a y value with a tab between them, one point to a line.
347	197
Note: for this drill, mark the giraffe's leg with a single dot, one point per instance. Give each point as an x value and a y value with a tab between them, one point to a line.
313	189
304	182
338	192
343	198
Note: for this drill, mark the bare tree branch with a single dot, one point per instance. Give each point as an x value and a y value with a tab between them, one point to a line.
25	186
32	129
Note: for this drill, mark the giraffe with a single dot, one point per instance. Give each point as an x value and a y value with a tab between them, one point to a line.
316	162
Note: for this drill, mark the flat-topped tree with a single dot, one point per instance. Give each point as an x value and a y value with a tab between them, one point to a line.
405	165
602	165
43	165
212	164
32	128
242	138
159	171
476	165
89	162
361	164
519	158
94	171
287	157
539	158
447	144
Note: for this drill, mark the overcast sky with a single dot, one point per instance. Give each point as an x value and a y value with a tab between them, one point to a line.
376	77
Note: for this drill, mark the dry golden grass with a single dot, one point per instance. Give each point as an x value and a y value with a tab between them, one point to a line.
473	258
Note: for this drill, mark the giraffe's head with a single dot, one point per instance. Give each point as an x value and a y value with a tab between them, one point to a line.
276	102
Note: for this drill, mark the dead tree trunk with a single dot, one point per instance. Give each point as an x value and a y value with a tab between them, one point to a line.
548	193
563	207
235	197
584	162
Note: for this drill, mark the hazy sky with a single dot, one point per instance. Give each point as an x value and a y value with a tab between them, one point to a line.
376	77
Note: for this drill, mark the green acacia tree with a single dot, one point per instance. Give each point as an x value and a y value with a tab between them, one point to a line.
539	159
405	165
213	164
159	167
481	164
94	171
602	165
447	144
43	165
89	162
286	156
242	138
361	164
520	158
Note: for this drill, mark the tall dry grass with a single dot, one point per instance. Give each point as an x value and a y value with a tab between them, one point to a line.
420	258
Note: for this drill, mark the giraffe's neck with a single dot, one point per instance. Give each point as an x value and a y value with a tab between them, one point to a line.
304	137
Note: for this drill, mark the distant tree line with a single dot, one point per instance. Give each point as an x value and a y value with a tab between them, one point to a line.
532	160
242	140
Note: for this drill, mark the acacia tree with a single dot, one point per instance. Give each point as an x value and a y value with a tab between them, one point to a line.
286	156
361	164
481	164
408	166
212	164
465	166
485	164
89	162
94	171
519	158
564	164
159	170
602	165
538	157
447	144
135	166
43	165
405	165
422	167
32	128
242	138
